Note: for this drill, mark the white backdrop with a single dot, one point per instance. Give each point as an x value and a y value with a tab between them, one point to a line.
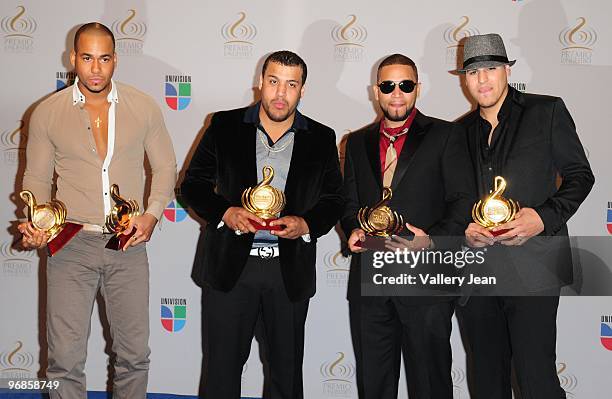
562	48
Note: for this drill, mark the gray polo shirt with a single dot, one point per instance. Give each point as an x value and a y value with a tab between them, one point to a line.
277	155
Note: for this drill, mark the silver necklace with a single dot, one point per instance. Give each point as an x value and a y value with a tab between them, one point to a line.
264	141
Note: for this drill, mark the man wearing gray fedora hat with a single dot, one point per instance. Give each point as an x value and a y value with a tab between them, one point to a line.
530	140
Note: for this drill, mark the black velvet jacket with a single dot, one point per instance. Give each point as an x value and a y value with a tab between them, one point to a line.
224	165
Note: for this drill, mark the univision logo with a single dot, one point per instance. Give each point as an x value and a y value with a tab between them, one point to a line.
173	314
520	86
350	40
18	32
175	212
14	143
16	263
64	79
178	92
606	332
337	377
129	34
239	36
609	218
453	36
578	42
16	363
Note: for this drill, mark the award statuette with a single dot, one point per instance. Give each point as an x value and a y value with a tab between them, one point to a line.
50	218
379	221
495	210
118	220
264	201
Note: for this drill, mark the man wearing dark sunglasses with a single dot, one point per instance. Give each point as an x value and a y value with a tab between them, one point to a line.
425	162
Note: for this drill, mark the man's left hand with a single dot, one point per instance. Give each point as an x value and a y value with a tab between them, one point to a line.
526	224
419	242
144	225
295	227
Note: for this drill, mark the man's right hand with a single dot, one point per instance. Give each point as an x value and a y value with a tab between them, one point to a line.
357	235
477	236
238	218
32	238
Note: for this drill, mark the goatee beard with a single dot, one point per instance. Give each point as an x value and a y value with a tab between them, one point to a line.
277	118
398	118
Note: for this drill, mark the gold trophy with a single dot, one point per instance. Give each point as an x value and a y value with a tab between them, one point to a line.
264	201
494	209
379	220
118	220
50	218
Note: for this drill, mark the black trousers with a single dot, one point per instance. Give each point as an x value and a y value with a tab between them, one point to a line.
499	330
382	327
228	328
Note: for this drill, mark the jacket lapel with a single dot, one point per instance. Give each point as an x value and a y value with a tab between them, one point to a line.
301	149
514	120
371	141
413	140
248	158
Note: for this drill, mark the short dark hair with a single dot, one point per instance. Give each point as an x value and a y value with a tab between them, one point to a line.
286	58
93	27
397	59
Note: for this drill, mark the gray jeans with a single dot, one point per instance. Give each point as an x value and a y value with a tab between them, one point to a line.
74	275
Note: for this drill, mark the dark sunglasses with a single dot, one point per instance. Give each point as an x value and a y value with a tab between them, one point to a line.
387	86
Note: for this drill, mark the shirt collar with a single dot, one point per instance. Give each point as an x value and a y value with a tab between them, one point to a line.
252	116
79	98
397	130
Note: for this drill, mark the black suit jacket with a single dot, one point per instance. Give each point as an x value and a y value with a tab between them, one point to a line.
433	185
224	165
541	144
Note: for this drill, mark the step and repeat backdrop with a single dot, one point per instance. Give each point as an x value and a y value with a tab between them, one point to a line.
198	57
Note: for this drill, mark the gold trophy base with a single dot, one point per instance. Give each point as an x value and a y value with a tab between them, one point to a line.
267	226
119	240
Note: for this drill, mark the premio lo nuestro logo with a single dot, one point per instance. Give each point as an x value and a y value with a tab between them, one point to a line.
16	263
578	42
337	377
606	332
13	142
337	269
609	218
173	314
458	377
175	212
568	381
178	91
18	32
129	34
16	363
453	35
350	40
64	79
239	35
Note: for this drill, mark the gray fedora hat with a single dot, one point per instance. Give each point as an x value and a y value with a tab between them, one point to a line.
484	51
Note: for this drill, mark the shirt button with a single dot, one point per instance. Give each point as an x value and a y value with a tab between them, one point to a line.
490	168
105	193
104	170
